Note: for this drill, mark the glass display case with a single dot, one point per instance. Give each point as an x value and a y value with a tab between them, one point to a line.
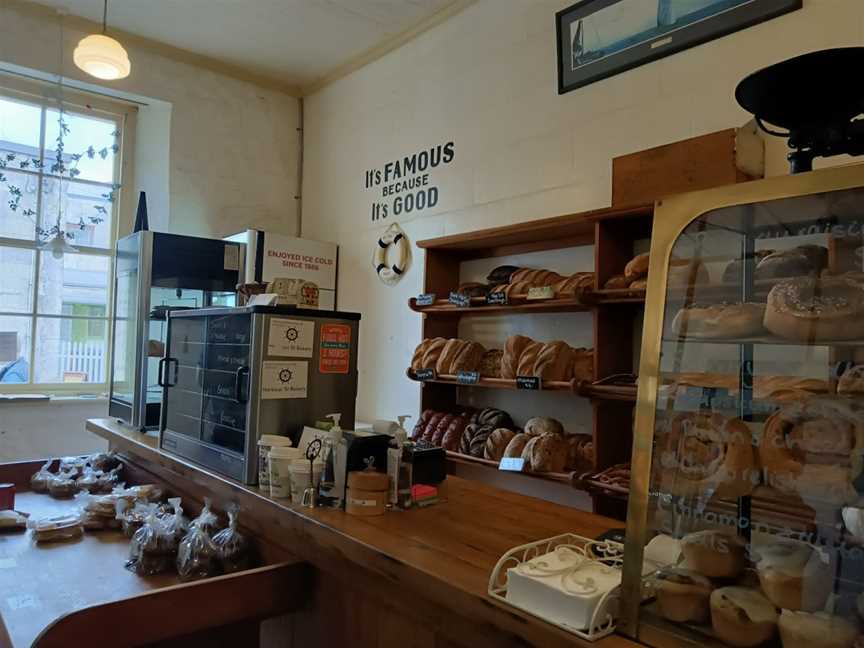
746	516
156	273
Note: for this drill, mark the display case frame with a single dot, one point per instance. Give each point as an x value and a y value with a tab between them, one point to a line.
672	216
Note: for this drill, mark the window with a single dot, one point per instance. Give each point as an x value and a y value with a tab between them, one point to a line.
59	171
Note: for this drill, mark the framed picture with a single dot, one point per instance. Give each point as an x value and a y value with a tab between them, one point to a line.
600	38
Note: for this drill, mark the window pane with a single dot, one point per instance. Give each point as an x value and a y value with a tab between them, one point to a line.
14	350
19	127
16	279
76	281
91	138
69	352
18	204
85	212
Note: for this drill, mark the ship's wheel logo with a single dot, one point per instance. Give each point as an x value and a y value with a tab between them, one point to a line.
285	375
292	334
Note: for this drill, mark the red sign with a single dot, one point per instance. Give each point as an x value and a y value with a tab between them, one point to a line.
335	351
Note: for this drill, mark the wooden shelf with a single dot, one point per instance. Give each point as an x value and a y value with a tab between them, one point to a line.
569	478
612	296
764	340
612	392
498	383
520	305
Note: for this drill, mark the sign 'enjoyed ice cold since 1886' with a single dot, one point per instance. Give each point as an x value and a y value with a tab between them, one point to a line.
405	184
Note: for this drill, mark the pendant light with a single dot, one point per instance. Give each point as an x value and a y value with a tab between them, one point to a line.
101	56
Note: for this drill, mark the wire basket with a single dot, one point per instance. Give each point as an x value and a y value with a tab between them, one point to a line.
607	553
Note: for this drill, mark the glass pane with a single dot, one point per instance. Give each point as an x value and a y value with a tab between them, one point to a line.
70	351
14	350
19	127
126	316
85	211
90	138
16	279
76	284
18	204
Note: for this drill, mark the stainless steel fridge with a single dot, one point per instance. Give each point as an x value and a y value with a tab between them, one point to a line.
231	375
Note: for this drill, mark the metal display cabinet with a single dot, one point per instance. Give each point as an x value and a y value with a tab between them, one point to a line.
748	442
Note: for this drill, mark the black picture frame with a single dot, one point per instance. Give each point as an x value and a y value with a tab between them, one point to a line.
645	44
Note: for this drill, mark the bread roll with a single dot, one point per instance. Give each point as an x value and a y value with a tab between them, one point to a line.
540	425
546	453
637	267
682	595
497	443
617	281
513	349
852	381
528	359
720	321
819	630
448	354
468	357
742	617
553	361
809	309
490	363
432	353
801	261
715	554
516	446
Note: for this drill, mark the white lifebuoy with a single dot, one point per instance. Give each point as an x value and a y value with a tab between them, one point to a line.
391	273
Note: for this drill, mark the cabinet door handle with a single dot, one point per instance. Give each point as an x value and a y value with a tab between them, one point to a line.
162	377
238	384
160	372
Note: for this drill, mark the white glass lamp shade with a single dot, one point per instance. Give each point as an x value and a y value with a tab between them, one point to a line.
102	57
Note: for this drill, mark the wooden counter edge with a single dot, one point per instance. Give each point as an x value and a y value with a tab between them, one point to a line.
329	549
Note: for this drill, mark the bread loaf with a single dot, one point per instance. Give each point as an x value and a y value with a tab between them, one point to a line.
516	446
720	321
553	361
540	425
494	417
468	357
637	267
448	354
473	289
732	273
639	284
467	436
583	364
801	261
478	441
819	630
497	443
501	274
513	349
453	435
852	381
490	363
617	281
419	352
432	353
431	426
528	358
742	617
809	309
440	429
546	453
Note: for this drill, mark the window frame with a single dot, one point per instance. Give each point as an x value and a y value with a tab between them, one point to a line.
123	114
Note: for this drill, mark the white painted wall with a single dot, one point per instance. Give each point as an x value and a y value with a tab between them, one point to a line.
48	429
486	80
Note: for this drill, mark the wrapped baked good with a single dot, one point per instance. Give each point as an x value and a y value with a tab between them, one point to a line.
742	617
98	512
448	354
12	521
617	282
715	554
497	443
553	362
813	448
540	425
637	267
682	595
232	548
144	492
516	446
196	555
528	359
490	363
175	522
207	521
56	529
546	453
98	481
39	480
817	630
62	485
703	453
74	465
804	260
478	440
812	310
104	461
720	321
132	515
453	435
152	548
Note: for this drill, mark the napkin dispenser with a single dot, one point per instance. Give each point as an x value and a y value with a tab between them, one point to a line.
354	451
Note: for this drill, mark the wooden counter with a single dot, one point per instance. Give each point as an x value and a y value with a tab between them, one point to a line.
412	578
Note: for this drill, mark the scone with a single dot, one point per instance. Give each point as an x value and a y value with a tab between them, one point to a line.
715	554
682	595
742	617
819	630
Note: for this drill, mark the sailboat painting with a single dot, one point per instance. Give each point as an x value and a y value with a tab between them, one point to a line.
599	38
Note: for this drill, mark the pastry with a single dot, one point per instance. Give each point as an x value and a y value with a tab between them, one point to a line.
478	440
495	418
540	425
637	267
432	353
813	448
683	272
528	359
448	354
617	281
546	453
440	429
801	261
792	574
852	381
468	357
809	309
473	289
553	362
583	364
719	321
639	284
732	272
682	595
513	348
55	529
497	443
453	435
703	453
490	363
501	274
516	446
715	554
819	630
742	617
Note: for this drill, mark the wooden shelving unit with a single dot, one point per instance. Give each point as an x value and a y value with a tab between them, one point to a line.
615	315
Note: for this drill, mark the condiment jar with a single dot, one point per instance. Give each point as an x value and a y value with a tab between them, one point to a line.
265	443
367	493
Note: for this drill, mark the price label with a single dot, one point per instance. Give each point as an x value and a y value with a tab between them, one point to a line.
497	298
528	382
541	292
468	377
458	299
512	464
426	299
425	374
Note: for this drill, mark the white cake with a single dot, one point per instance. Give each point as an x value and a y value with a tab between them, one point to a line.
562	587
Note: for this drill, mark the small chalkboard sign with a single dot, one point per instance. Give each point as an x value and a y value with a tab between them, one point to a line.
468	377
425	374
497	298
426	299
541	292
512	464
528	382
460	300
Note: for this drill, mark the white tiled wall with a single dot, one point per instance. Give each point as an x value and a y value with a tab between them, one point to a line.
486	80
